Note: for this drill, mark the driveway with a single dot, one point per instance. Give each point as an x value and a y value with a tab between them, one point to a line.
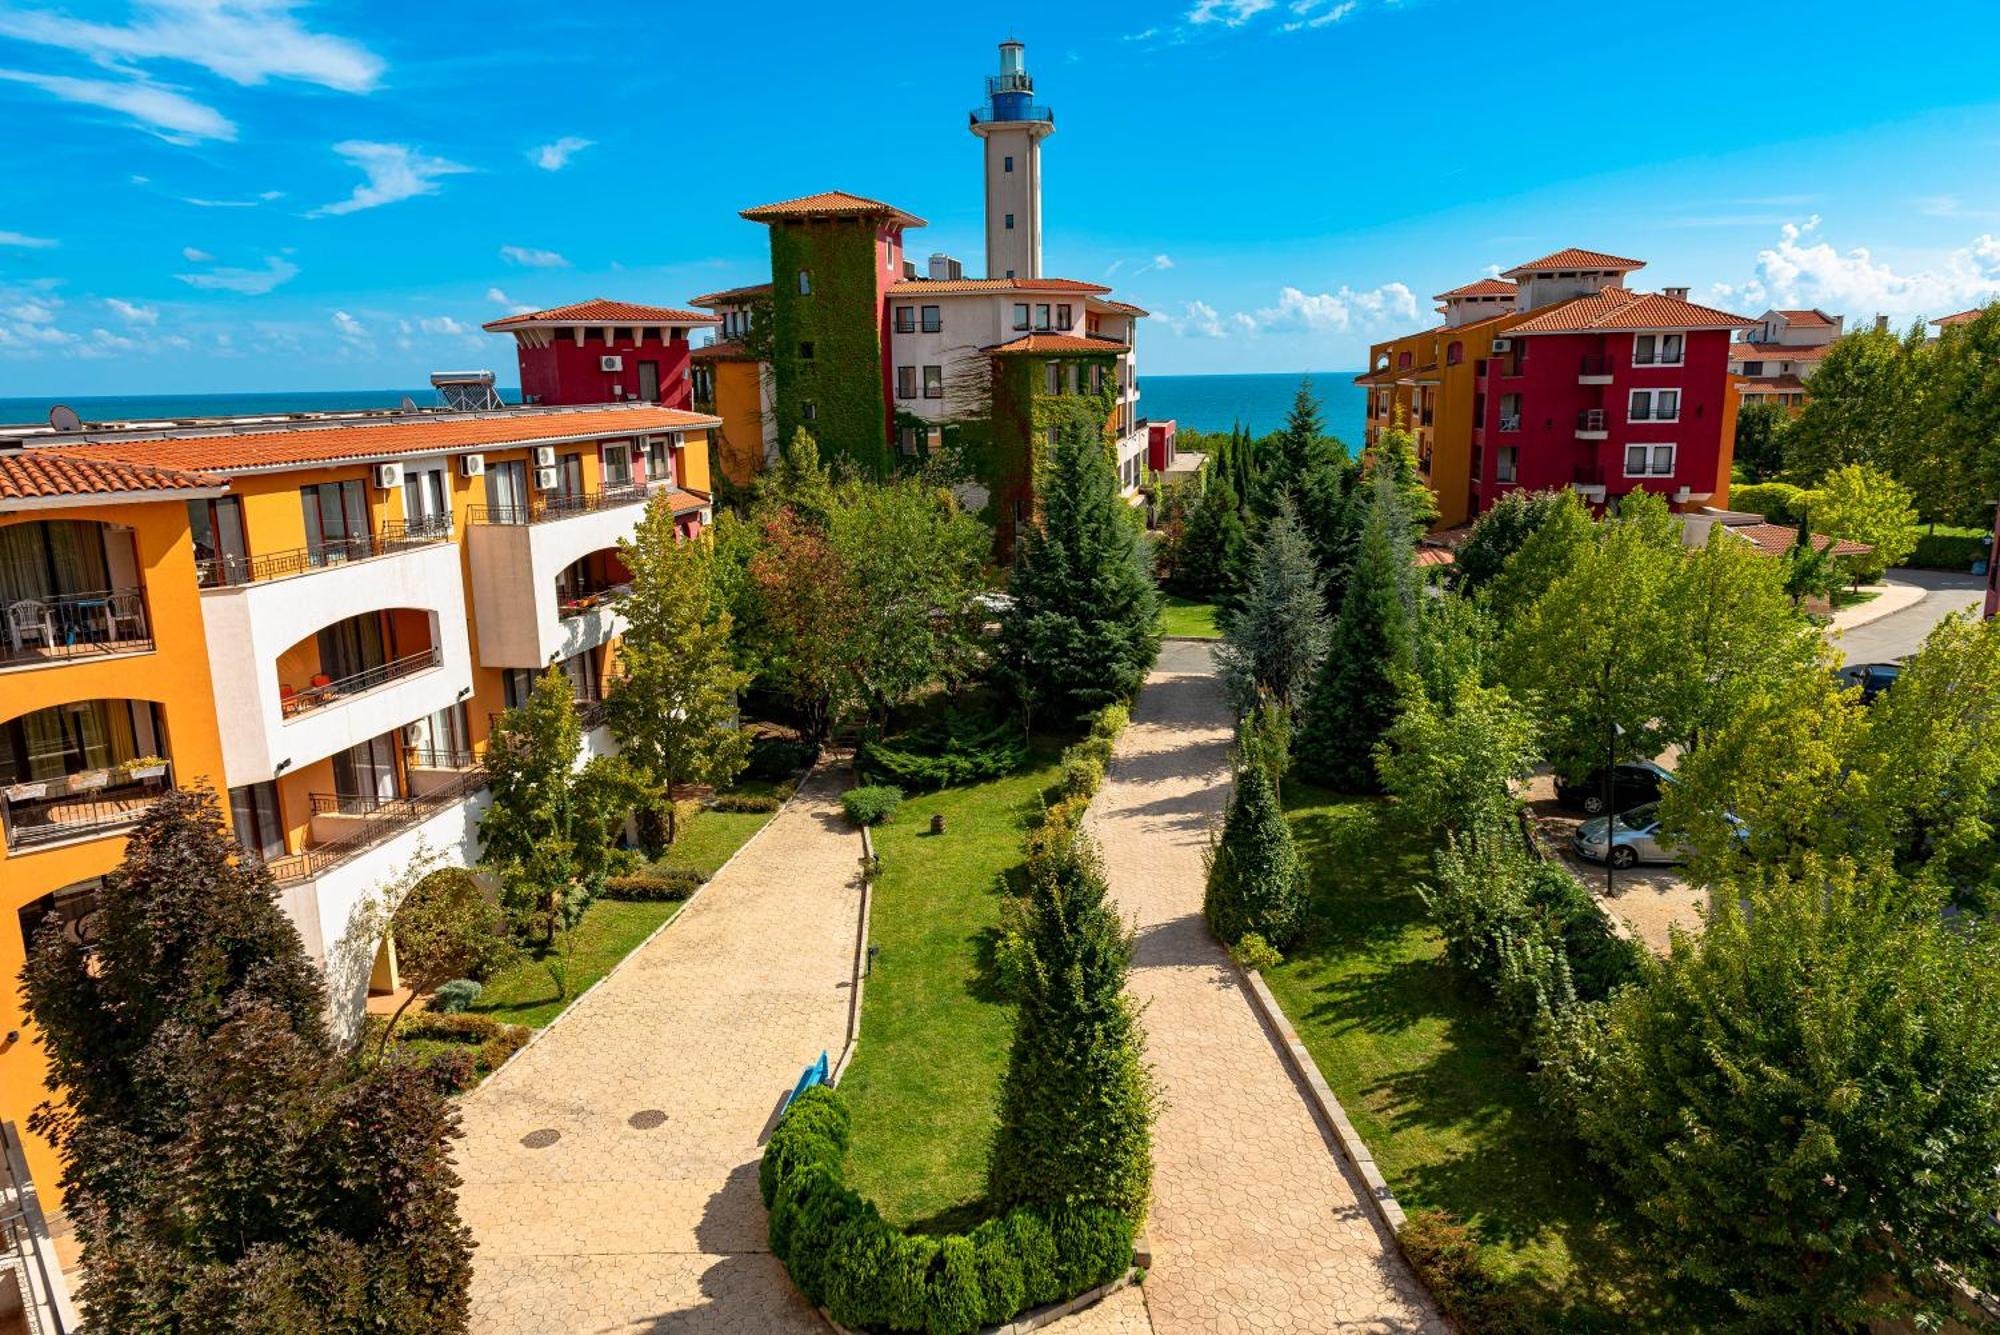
1899	634
1257	1223
1648	899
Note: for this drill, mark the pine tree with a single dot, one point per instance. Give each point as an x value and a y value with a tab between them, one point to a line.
1085	625
1256	882
1354	697
1293	450
1212	541
1078	1101
222	1166
674	708
1278	634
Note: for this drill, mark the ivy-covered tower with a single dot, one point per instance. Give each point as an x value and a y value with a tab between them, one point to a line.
833	258
1013	126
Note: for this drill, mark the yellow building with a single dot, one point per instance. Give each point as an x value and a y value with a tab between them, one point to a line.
734	383
317	618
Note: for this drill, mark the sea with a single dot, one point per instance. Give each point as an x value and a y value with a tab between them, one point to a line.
1199	402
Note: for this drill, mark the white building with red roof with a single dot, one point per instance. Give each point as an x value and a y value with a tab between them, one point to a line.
1778	357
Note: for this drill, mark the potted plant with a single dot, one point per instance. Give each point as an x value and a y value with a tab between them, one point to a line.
89	779
144	767
27	792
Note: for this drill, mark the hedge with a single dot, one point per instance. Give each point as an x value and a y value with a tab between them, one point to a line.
843	1256
654	885
775	758
1949	551
1778	502
745	803
956	749
871	804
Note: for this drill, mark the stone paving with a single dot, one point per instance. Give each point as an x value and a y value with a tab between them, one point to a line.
641	1214
1257	1223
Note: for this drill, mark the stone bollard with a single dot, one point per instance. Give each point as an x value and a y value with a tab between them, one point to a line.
937	822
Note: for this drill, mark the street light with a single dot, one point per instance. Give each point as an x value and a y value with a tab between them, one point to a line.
1610	817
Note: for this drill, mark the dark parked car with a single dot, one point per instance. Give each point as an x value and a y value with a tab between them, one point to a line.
1631	785
1872	678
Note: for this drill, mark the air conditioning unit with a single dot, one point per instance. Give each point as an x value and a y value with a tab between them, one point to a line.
472	465
1503	345
546	479
388	477
545	456
610	363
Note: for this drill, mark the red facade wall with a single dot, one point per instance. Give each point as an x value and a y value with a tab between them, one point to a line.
1160	445
888	269
564	373
1552	397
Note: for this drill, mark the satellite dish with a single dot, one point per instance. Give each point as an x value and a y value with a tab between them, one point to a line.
63	418
409	404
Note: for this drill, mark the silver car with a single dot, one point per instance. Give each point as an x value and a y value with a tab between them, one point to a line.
1634	837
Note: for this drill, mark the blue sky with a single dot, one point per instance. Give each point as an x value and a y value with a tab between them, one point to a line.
208	195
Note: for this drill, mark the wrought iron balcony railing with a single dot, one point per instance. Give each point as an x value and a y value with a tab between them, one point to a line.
74	625
380	821
75	810
542	508
330	692
397	535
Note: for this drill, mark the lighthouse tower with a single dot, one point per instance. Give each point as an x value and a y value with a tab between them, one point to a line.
1013	128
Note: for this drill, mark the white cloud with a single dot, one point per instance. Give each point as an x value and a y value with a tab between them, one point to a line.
244	41
25	241
507	303
194	256
249	282
132	313
1318	13
1229	13
166	113
351	331
1300	312
395	172
444	324
554	157
530	258
1197	318
1804	270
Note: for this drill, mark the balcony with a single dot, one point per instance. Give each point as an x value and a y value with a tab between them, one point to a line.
1510	424
57	627
1590	425
323	693
1595	369
1588	481
221	572
547	507
84	805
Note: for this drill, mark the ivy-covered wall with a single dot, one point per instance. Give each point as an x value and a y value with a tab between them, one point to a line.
841	319
1022	415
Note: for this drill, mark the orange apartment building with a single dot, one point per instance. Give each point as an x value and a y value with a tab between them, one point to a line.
317	617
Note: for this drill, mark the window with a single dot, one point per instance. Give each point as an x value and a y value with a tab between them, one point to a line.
906	382
1041	315
1064	320
73	911
933	382
805	350
336	520
805	282
1510	412
1657	349
1504	463
1454	353
253	811
1402	361
933	320
1009	163
810	411
1649	461
220	552
659	461
906	441
906	319
1010	273
1753	368
1020	315
516	685
1655	405
1052	375
1010	222
618	465
582	673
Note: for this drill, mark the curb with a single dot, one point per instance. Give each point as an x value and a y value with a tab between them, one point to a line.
1879	608
1324	1101
811	772
860	965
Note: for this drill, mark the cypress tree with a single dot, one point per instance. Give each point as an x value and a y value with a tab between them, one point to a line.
1085	625
1256	882
222	1165
1296	450
1275	638
1353	698
1212	541
1077	1103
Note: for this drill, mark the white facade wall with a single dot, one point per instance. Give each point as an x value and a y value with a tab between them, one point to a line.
514	569
1014	252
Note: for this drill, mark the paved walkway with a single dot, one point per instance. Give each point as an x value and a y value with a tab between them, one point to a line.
1257	1224
611	1169
1901	633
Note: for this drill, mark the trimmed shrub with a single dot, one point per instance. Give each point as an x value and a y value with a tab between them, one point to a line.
1779	502
1948	551
1096	748
871	804
1256	880
1109	721
497	1049
454	1070
954	1304
444	1028
1446	1258
814	1131
653	885
955	749
745	804
774	758
1002	1288
453	997
1081	775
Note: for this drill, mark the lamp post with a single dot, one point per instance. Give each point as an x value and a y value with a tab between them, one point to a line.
1610	817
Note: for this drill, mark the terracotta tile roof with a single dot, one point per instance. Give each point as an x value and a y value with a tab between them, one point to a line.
599	310
1777	539
953	287
1044	345
685	501
317	443
1576	259
1778	351
1121	308
1777	384
1434	556
732	296
1617	309
733	351
1963	317
39	474
1485	287
830	204
1812	319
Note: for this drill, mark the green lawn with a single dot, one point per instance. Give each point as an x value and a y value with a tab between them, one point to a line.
1184	616
934	1031
709	838
1434	1082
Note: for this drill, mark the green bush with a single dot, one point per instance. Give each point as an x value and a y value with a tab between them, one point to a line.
654	885
1949	551
1779	502
745	804
1081	775
955	749
1095	747
1109	721
444	1028
842	1255
871	804
1446	1258
775	758
454	996
1256	880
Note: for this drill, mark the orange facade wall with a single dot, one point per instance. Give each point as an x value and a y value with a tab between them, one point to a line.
738	402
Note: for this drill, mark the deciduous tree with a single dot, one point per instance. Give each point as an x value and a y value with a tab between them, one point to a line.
1866	504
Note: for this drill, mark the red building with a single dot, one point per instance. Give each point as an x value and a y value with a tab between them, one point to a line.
1597	387
602	351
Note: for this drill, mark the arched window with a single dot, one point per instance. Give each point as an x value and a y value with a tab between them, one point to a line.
1454	354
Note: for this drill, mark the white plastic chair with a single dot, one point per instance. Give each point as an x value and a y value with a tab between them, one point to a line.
30	617
126	610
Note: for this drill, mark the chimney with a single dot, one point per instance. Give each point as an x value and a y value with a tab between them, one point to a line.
1677	293
945	269
1881	324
